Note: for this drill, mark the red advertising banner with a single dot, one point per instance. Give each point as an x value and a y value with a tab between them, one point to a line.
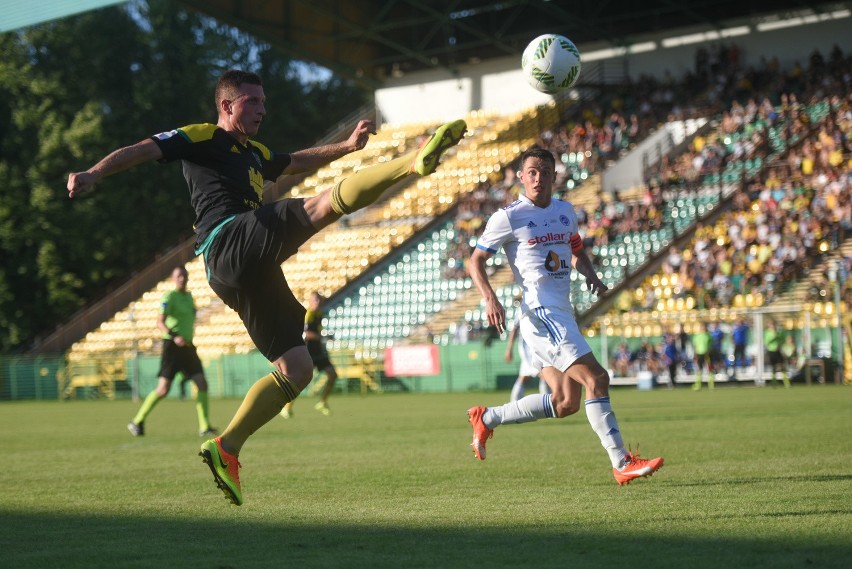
412	360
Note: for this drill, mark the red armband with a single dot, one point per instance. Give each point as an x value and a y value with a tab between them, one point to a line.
576	243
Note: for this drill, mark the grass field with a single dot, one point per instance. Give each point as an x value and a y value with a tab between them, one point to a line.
753	478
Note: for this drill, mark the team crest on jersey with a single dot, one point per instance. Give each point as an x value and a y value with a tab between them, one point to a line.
564	219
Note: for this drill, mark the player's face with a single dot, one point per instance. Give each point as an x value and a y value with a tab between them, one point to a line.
538	177
179	277
247	109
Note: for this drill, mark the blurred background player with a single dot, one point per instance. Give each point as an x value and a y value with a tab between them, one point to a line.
672	358
177	322
318	353
540	237
701	345
773	339
739	336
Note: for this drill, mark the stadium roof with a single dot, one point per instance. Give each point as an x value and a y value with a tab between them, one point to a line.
368	40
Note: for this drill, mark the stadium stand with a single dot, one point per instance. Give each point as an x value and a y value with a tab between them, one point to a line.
395	272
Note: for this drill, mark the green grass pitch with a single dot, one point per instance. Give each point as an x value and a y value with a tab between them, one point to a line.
753	478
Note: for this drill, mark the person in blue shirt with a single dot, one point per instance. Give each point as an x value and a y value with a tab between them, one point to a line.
717	356
739	335
672	355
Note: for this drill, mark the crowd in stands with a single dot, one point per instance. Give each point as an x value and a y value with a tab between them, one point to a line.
783	215
779	226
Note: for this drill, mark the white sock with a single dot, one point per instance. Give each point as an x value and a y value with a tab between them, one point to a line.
543	388
517	389
602	419
530	408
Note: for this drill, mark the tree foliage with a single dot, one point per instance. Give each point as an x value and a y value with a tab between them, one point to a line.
83	86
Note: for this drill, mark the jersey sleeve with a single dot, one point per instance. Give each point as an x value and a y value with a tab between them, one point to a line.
177	144
576	240
164	304
274	163
498	230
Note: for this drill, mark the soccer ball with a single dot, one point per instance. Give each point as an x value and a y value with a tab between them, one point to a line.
551	63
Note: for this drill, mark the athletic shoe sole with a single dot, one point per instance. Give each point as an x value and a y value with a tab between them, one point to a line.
209	460
447	136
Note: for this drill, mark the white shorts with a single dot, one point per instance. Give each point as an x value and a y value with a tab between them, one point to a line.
554	339
528	367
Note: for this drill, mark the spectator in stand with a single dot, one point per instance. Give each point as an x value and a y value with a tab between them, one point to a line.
622	359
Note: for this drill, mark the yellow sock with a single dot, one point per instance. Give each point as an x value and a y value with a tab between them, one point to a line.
202	408
147	406
262	403
366	186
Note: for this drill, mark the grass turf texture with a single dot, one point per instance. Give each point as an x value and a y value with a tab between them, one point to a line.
753	478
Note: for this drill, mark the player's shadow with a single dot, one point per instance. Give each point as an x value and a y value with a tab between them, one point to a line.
138	540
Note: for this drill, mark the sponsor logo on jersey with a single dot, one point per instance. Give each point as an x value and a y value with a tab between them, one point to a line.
165	135
531	224
556	265
550	237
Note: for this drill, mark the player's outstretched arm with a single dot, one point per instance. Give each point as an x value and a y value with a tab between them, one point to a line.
312	158
584	266
116	161
493	308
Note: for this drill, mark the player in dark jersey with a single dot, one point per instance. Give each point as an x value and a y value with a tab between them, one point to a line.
244	241
318	353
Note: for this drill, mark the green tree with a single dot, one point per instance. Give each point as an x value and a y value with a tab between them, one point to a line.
83	86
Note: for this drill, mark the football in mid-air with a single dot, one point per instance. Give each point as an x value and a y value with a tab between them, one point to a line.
551	63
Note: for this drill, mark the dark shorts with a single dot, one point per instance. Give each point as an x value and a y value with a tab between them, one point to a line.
702	361
775	358
182	359
319	355
244	270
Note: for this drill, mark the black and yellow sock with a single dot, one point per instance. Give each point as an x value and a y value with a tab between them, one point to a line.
262	403
366	186
147	406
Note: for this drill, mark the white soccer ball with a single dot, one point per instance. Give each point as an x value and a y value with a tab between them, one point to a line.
551	63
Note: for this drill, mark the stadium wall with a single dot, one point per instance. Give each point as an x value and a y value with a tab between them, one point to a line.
498	85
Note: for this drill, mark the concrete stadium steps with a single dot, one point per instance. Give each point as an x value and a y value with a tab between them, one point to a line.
440	323
799	293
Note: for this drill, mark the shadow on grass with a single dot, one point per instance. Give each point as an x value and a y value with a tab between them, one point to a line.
68	541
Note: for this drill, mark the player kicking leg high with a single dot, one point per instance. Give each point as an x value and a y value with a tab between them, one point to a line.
244	241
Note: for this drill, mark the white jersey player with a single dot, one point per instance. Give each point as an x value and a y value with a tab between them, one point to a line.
540	237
